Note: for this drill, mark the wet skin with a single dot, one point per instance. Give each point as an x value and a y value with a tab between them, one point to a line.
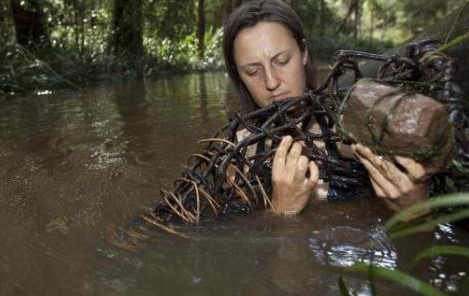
270	63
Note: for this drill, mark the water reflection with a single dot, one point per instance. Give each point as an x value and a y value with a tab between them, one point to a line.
75	163
343	246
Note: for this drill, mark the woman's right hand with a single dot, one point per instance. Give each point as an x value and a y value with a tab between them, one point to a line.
291	187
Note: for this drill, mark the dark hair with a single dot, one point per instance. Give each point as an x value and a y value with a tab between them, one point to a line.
250	14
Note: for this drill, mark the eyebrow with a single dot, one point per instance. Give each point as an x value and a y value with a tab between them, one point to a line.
257	63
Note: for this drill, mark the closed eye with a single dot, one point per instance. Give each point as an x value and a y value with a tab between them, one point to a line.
282	60
251	71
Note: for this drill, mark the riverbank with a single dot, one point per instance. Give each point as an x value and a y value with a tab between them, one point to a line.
23	71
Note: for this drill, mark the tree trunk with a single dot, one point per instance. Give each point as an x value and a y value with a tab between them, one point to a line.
201	24
30	23
322	17
230	5
78	10
351	9
372	26
357	19
7	28
227	9
126	40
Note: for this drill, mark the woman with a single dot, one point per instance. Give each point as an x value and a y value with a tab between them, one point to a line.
267	59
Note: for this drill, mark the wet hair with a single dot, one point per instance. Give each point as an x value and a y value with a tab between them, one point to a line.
250	14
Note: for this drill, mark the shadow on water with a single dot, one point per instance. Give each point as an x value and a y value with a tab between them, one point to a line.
75	163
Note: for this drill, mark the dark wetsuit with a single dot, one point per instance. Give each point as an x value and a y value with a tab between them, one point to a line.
348	179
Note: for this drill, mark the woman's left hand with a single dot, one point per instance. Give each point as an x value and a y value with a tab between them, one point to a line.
399	189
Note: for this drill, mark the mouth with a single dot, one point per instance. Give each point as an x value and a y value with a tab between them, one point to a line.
279	97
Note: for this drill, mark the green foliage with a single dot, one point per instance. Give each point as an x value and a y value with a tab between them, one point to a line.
213	57
459	201
182	54
310	14
441	251
343	288
169	19
418	14
395	20
444	209
326	46
79	35
21	70
397	276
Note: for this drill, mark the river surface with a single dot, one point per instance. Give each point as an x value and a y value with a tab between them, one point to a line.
75	164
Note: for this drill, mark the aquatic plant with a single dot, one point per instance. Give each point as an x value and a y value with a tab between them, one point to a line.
452	208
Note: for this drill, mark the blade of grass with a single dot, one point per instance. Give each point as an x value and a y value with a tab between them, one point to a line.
400	278
430	224
343	289
443	201
441	250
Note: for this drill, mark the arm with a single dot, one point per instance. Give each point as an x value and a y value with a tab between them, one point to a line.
291	187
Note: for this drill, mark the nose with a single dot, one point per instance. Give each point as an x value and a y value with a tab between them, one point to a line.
271	80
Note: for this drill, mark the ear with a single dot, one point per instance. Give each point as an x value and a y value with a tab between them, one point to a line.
305	56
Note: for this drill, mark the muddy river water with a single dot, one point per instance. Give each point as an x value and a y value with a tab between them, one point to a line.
74	163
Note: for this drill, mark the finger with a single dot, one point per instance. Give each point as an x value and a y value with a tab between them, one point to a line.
378	190
387	169
415	170
391	203
353	147
397	177
313	174
401	180
280	155
292	157
302	166
363	151
368	154
388	189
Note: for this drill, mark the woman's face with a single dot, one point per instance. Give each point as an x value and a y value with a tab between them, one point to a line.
270	62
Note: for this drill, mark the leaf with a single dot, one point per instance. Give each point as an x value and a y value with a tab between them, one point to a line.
398	277
457	216
343	289
441	250
445	201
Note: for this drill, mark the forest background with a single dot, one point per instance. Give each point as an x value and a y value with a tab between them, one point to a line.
45	44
